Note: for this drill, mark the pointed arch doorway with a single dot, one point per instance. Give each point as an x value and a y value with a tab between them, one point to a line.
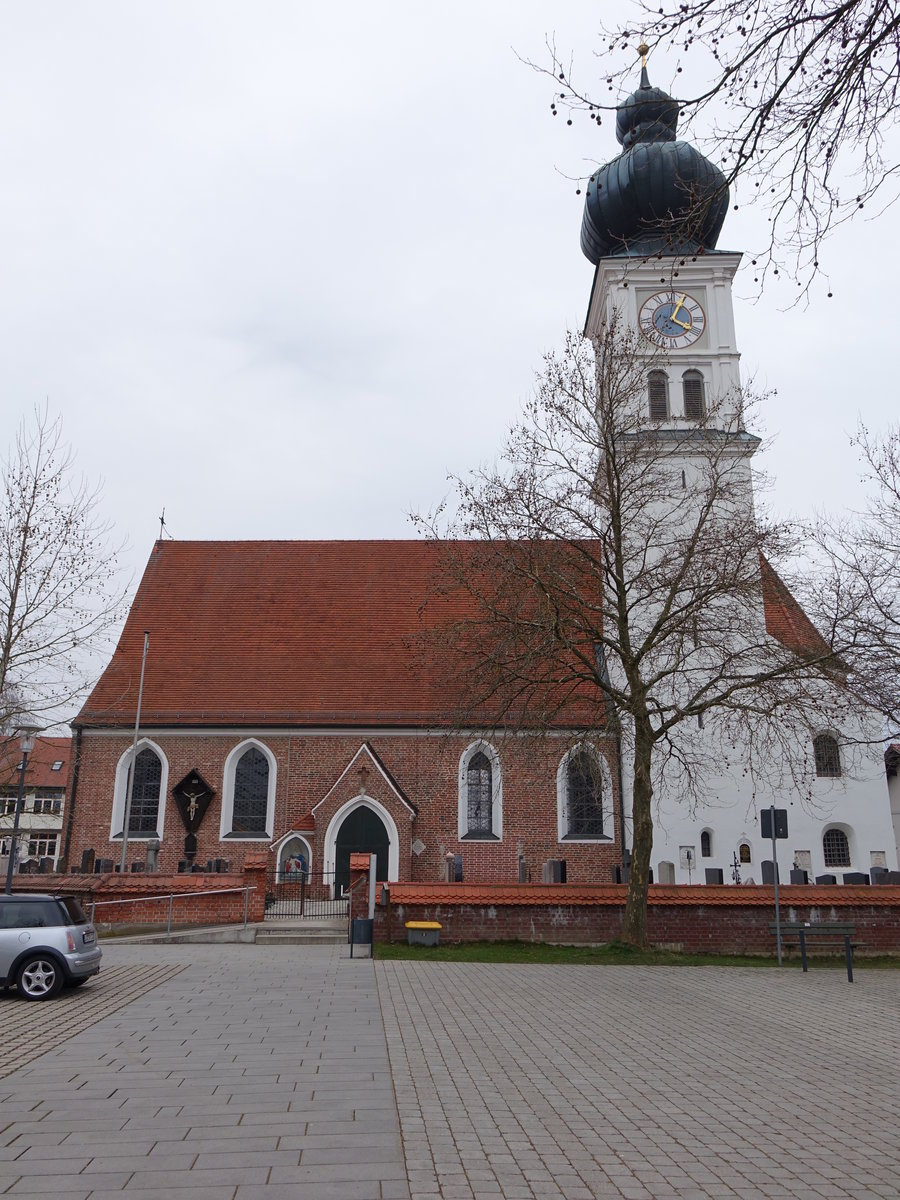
362	831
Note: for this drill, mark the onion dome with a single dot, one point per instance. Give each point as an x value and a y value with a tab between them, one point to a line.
660	196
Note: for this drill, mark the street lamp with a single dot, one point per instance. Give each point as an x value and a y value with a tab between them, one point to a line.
26	745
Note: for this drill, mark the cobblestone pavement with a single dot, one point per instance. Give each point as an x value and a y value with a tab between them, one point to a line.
72	1012
696	1084
253	1074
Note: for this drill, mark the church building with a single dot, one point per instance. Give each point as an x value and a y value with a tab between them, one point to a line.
293	701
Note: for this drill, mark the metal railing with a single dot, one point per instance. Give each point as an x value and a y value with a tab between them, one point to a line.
312	894
172	897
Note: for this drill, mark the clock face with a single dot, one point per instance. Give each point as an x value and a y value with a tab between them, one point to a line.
672	319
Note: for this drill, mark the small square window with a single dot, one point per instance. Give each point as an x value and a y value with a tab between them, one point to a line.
57	766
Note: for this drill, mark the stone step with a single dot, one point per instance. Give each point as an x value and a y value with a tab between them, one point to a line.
301	937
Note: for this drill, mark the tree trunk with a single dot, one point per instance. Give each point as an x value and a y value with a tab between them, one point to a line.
634	925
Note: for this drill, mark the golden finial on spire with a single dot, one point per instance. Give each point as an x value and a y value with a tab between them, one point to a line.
643	51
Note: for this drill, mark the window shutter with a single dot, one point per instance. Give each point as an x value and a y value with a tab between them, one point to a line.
658	391
692	383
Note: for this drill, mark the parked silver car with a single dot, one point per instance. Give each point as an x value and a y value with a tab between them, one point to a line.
45	942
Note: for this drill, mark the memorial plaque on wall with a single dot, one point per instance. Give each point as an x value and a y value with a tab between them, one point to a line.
192	797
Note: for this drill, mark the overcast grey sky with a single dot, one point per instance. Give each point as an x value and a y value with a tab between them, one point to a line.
282	266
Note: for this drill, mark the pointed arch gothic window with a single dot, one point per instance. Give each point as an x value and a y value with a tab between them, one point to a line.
251	792
658	395
479	794
694	395
584	796
144	813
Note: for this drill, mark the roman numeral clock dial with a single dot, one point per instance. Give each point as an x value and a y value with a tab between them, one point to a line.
672	319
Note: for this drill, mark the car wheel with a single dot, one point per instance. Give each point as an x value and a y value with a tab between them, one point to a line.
39	978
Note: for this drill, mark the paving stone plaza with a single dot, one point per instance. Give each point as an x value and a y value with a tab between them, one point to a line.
248	1073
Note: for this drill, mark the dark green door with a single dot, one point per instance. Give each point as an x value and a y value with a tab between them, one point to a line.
363	832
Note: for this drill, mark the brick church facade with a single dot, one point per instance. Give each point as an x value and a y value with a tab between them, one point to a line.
290	688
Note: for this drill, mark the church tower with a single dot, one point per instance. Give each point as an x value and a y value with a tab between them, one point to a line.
652	218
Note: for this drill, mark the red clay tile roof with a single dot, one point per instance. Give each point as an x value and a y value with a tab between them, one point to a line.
39	773
785	619
309	633
269	633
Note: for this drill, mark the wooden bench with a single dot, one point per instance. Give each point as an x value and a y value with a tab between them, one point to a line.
821	932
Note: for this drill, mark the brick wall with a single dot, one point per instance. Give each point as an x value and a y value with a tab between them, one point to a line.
425	768
150	905
718	920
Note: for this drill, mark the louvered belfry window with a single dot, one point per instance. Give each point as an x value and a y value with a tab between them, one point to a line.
584	795
479	794
658	392
836	848
694	401
145	796
251	793
827	755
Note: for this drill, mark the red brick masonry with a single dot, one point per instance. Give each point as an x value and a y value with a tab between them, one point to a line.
150	891
719	920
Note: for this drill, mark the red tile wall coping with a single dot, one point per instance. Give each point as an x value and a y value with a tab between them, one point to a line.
695	925
549	894
145	891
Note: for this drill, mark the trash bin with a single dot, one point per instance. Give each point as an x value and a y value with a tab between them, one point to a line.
362	933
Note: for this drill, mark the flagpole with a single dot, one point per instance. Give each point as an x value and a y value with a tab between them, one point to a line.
129	793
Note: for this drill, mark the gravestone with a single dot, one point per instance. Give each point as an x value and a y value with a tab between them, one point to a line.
715	875
151	858
798	876
87	862
855	877
45	866
768	872
880	875
826	879
667	872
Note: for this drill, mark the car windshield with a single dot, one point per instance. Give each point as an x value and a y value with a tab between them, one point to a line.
74	909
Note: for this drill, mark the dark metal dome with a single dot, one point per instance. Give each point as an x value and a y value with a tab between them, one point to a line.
660	195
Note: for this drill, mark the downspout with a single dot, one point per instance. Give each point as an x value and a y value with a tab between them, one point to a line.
70	799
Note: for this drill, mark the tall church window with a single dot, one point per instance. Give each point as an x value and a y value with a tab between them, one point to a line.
248	792
694	398
706	844
658	392
145	794
251	792
584	796
478	794
836	848
744	854
827	754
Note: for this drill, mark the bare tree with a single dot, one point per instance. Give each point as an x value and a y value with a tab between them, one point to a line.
800	104
611	571
59	592
855	588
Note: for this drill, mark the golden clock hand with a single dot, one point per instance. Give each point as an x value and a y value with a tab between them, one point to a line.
678	307
683	324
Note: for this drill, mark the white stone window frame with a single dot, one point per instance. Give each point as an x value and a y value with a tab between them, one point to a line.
462	812
227	815
562	798
117	821
828	778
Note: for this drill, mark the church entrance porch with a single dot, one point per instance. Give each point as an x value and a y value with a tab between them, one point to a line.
361	831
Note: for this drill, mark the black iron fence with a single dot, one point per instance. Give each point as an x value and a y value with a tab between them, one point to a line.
311	894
